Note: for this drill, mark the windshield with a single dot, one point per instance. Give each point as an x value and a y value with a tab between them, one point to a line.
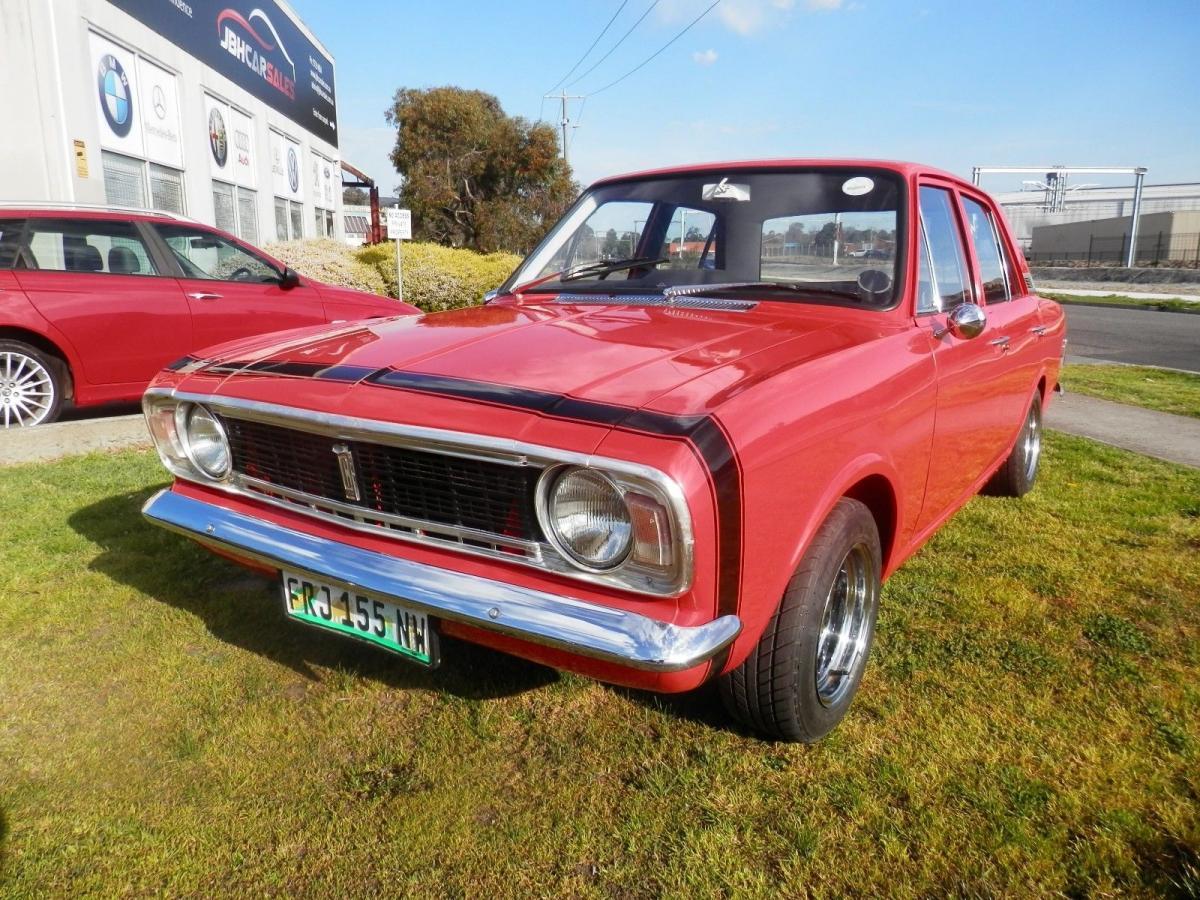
819	235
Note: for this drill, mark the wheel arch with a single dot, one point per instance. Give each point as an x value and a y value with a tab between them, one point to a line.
46	345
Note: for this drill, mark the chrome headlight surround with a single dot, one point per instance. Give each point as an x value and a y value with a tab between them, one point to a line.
171	425
654	555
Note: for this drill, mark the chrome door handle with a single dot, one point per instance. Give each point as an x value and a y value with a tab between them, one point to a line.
204	295
1001	341
1039	330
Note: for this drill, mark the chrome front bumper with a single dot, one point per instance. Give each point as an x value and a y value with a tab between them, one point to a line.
587	629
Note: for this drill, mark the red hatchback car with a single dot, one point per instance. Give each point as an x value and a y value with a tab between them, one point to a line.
94	302
687	440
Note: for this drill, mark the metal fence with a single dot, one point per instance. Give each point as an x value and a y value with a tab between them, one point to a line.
1163	248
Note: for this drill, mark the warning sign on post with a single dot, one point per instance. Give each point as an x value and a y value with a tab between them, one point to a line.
399	224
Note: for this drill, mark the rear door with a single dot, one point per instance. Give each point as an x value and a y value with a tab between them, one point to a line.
97	282
232	291
971	416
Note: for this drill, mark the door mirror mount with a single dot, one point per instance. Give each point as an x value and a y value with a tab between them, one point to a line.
965	321
289	279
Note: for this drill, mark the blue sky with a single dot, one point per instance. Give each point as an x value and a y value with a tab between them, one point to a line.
948	83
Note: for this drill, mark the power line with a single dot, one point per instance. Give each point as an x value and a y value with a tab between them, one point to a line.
615	46
591	48
648	60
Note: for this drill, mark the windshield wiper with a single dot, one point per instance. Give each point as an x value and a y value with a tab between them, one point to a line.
701	290
607	266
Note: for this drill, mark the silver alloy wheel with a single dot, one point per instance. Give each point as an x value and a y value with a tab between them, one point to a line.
1031	441
26	390
845	624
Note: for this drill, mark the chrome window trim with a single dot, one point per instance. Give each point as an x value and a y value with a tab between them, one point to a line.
506	451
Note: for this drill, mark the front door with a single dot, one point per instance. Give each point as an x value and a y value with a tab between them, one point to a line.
971	407
232	291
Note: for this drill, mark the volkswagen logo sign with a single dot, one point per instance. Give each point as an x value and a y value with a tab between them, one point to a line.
218	141
293	170
116	99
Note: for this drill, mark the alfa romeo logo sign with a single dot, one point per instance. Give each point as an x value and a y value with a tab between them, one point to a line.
116	99
293	170
218	140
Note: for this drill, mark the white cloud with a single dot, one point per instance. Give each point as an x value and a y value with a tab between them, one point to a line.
746	16
823	5
704	57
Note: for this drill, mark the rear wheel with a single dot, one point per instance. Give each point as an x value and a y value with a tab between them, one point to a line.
31	385
1016	477
799	680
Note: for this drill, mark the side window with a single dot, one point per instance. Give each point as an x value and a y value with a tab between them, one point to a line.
204	254
10	242
927	293
993	270
946	254
87	245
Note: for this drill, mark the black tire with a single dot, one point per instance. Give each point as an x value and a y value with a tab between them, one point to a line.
1017	475
25	400
777	691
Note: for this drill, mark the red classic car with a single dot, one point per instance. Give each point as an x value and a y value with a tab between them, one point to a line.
94	302
652	460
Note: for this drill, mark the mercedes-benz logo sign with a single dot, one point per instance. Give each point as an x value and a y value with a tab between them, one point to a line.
218	141
293	170
116	99
158	100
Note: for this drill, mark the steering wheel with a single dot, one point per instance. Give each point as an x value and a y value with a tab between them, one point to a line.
873	282
241	273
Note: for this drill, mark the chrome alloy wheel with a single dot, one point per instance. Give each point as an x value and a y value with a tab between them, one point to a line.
1031	442
845	625
26	390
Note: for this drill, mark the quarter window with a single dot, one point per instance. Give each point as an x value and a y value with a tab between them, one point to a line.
992	269
946	255
10	242
97	246
206	255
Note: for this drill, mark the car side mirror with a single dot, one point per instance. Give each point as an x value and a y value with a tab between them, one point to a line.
966	321
289	279
489	296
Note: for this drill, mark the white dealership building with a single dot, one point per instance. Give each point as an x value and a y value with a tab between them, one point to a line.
222	110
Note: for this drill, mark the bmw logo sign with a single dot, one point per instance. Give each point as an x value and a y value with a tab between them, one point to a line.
293	170
116	99
218	141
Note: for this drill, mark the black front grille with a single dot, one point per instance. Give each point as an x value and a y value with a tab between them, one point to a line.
415	484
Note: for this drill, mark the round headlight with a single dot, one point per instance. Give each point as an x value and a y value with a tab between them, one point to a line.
588	519
207	446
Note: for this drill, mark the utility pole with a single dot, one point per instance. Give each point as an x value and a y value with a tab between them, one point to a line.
564	120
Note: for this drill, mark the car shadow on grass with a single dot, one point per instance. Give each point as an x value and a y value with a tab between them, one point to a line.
245	610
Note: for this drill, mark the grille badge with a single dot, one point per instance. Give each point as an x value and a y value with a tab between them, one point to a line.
346	466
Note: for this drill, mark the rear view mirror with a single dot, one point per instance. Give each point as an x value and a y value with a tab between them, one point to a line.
289	279
201	243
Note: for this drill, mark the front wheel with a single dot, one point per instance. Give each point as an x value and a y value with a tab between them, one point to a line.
30	386
799	680
1016	477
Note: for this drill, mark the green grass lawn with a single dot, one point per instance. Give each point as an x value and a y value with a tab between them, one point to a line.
1121	300
1164	390
1029	724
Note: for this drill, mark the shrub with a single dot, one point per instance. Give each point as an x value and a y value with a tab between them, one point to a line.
329	261
436	277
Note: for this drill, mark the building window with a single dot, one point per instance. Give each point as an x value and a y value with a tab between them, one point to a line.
289	222
129	181
323	219
234	211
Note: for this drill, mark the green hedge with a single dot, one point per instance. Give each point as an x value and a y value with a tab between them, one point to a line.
435	277
329	261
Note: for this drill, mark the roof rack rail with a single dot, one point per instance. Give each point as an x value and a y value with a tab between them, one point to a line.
91	207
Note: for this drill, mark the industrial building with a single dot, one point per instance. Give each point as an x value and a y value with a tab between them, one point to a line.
222	110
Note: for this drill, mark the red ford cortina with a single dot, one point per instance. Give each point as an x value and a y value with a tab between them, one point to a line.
688	439
94	302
